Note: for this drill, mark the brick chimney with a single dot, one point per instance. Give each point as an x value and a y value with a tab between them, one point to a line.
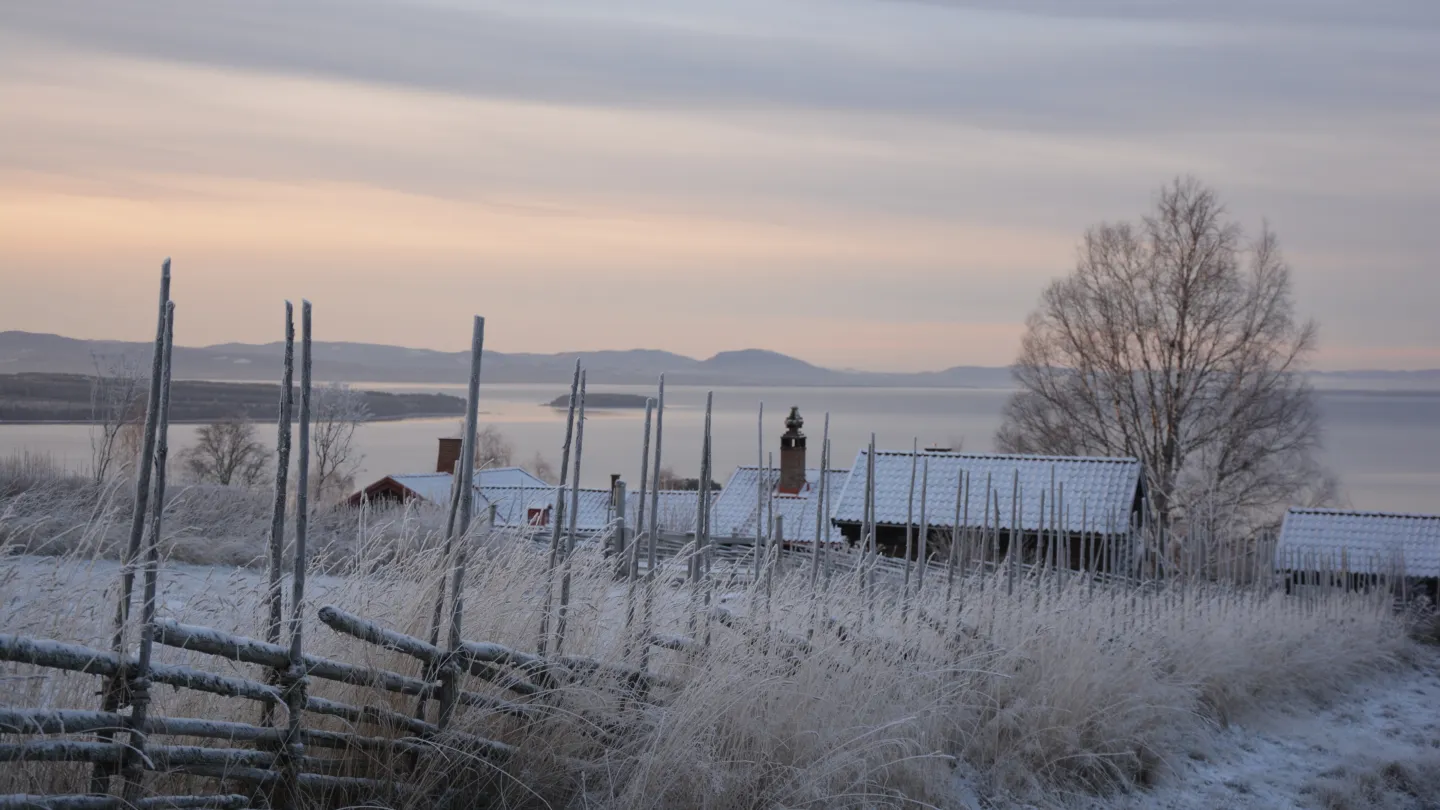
448	456
792	455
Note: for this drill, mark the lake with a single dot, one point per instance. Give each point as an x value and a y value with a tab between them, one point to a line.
1385	445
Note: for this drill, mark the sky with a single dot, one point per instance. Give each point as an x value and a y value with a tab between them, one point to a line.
876	184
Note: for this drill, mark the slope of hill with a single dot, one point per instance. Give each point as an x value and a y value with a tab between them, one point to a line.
369	362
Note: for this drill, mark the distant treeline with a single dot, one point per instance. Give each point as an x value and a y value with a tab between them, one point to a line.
36	397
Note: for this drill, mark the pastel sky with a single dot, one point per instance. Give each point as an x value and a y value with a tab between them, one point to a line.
880	184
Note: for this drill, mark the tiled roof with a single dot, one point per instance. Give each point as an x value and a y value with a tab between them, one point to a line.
1105	486
513	505
1362	542
677	509
734	511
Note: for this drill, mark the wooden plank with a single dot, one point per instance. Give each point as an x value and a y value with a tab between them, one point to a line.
253	651
223	802
60	751
351	625
58	655
58	721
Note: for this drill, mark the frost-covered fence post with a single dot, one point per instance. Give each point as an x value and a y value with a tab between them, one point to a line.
760	473
640	504
870	540
924	548
633	566
909	530
956	541
566	563
707	550
450	673
820	507
648	625
1016	537
557	518
696	563
293	681
113	696
134	755
622	559
274	595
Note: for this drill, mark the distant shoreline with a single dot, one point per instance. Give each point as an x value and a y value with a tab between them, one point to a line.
39	398
173	422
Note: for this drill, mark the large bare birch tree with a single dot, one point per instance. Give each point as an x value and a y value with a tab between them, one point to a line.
1175	341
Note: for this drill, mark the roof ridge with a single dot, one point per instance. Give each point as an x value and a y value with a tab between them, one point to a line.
1304	510
1016	456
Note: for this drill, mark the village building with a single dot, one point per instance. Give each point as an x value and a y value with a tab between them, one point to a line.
1070	509
435	487
754	497
1320	545
676	511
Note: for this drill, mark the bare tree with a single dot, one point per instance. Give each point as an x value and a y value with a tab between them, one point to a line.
1175	341
493	449
542	469
337	412
226	452
117	400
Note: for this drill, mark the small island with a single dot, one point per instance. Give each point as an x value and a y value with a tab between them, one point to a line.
598	400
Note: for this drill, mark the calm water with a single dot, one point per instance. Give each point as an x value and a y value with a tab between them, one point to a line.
1384	444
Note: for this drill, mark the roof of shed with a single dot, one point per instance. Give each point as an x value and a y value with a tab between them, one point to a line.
676	509
1098	492
1362	542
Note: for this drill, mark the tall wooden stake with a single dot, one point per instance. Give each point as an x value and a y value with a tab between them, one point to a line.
134	755
449	674
113	696
648	625
275	595
557	518
565	562
293	680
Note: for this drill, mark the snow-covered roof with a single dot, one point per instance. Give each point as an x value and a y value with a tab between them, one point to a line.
507	477
1104	487
677	509
1362	542
513	506
733	513
433	487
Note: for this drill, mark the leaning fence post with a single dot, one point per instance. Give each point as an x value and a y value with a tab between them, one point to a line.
566	563
557	518
274	596
648	625
134	756
449	674
632	570
113	696
293	682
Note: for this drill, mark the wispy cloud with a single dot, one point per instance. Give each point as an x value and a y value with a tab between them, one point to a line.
747	165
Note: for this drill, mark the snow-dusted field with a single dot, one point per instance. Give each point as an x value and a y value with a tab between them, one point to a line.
1328	711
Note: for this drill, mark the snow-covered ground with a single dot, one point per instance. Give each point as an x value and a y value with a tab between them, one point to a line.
1377	747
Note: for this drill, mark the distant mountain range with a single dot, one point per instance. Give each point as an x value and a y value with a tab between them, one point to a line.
365	362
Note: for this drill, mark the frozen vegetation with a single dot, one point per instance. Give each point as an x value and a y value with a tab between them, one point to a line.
1056	693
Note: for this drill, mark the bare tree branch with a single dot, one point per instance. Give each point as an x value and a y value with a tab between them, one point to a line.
117	401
